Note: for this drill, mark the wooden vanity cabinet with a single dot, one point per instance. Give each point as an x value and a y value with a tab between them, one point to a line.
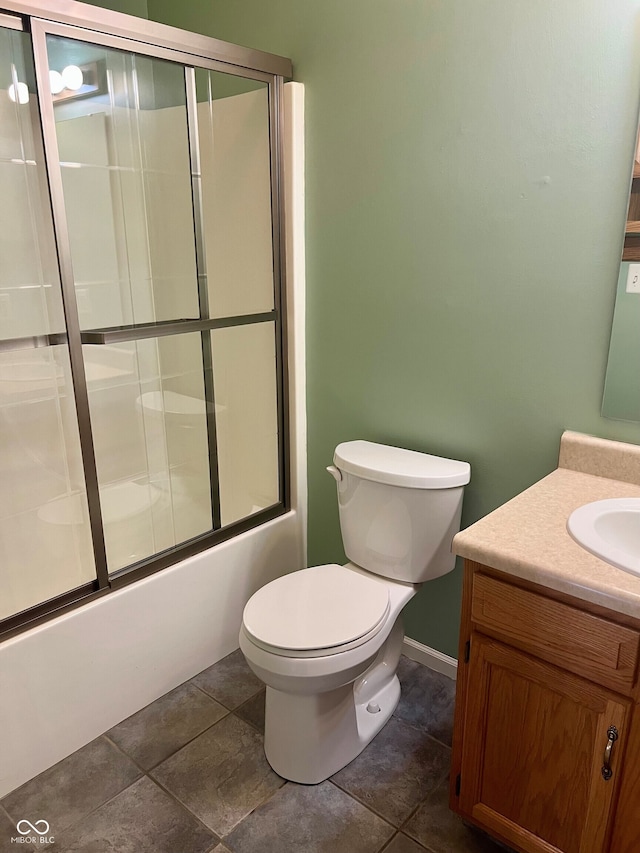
545	684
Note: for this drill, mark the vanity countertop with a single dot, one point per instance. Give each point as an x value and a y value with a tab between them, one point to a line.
527	537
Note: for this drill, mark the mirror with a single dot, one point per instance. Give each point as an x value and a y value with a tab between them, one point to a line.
621	398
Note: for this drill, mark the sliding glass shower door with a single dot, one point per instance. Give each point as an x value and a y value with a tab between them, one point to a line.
142	397
124	148
40	454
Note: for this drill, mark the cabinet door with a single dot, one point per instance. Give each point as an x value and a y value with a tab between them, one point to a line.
533	752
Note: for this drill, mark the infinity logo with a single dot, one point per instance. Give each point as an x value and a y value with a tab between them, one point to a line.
32	827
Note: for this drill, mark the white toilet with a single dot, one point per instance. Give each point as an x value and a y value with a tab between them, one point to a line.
327	640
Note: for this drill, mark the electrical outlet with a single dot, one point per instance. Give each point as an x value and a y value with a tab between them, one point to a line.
633	278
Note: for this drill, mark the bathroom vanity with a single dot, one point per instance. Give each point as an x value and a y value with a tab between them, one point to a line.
546	750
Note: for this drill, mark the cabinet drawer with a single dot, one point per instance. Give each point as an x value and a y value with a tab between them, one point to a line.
577	641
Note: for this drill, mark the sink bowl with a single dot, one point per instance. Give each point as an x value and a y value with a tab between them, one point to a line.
611	530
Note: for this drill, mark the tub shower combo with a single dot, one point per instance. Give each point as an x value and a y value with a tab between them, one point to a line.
142	402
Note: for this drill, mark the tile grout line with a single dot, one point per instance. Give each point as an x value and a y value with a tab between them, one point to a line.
191	740
418	804
143	775
287	782
413	726
263	802
124	752
6	813
97	808
175	751
218	839
154	781
202	690
388	844
250	699
184	805
189	682
440	781
211	696
186	809
428	849
413	812
422	731
108	800
417	809
121	749
146	775
362	803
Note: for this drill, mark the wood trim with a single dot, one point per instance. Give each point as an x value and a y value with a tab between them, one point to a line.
622	823
476	711
580	642
490	655
556	595
631	250
511	831
626	828
599	816
461	683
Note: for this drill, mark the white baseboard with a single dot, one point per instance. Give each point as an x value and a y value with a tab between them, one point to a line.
430	657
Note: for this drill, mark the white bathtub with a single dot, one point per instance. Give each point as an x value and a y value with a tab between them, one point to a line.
67	681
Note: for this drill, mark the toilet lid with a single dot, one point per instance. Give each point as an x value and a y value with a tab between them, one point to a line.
317	608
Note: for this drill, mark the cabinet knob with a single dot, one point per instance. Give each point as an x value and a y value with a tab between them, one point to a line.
612	737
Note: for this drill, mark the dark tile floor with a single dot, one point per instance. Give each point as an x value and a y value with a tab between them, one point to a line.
187	774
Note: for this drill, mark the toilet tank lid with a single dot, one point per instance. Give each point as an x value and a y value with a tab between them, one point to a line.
395	466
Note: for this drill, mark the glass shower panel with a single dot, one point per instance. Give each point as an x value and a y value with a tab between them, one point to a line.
30	301
45	542
235	155
244	368
123	143
148	413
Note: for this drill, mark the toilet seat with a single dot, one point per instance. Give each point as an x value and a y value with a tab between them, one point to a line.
314	612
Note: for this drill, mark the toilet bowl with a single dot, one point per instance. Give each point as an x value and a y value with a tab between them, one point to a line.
327	640
327	697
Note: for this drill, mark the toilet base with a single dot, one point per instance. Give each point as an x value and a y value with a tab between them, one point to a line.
310	737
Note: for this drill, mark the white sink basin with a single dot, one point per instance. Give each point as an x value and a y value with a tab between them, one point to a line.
611	530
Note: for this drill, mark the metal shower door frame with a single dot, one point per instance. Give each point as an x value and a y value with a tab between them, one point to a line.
133	35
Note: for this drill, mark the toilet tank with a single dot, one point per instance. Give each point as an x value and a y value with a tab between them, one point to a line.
399	509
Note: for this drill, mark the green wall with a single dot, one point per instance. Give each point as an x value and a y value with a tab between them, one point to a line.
467	172
129	7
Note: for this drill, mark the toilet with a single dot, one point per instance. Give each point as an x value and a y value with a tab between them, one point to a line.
327	640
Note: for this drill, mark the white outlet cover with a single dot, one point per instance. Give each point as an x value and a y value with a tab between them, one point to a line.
633	278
